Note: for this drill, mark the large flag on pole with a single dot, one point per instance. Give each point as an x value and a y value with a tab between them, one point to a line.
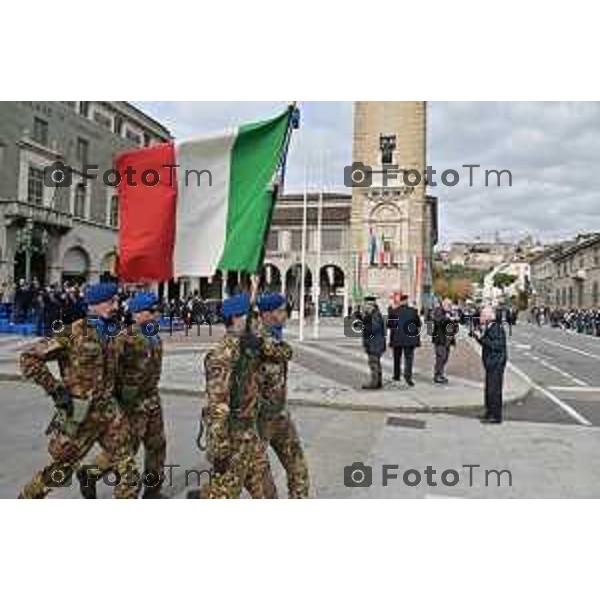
207	207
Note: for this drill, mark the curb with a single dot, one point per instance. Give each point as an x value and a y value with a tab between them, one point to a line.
334	405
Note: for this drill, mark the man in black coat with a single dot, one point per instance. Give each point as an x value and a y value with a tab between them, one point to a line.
445	327
404	325
492	338
373	342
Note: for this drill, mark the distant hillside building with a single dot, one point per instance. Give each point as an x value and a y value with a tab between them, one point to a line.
481	256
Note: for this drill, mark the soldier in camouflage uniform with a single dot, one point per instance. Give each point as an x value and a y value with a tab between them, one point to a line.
85	398
234	447
275	421
140	366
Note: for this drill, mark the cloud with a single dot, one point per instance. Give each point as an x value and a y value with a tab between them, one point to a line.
551	148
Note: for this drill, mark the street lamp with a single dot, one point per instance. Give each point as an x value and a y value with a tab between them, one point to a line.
28	243
24	243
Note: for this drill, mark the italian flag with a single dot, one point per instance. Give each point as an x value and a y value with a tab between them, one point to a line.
209	206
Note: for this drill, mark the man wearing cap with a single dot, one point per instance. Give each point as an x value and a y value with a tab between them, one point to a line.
373	342
404	325
139	372
276	426
234	447
84	397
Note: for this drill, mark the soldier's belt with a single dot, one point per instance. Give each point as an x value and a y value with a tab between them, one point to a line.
245	424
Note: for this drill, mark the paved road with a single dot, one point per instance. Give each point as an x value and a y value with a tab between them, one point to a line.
549	443
544	459
565	367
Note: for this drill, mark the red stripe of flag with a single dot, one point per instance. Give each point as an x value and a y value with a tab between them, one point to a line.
147	214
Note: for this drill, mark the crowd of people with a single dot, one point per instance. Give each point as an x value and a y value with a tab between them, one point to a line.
30	302
580	320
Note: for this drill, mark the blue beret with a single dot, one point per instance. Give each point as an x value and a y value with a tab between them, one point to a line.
236	306
143	301
268	302
100	292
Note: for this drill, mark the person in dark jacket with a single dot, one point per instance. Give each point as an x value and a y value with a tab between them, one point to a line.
445	327
404	325
492	338
373	342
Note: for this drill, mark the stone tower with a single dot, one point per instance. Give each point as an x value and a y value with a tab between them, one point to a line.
394	225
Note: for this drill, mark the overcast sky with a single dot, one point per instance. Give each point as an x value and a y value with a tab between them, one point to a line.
551	148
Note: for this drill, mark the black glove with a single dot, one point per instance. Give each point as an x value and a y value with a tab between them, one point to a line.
62	400
251	343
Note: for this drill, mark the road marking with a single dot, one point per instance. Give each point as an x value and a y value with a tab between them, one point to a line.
554	368
576	350
521	346
565	388
563	405
561	372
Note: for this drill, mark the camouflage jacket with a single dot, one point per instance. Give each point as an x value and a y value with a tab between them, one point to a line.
87	363
225	370
139	368
272	377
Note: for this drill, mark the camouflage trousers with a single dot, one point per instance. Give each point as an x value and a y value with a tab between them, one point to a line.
279	431
148	428
103	424
246	466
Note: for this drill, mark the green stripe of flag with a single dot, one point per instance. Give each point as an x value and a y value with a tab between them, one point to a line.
255	157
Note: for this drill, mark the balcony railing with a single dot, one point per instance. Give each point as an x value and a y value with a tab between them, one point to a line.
16	210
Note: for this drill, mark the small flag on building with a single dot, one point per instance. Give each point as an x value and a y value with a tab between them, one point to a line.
208	207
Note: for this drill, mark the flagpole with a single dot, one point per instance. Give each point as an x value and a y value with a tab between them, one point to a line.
319	246
303	254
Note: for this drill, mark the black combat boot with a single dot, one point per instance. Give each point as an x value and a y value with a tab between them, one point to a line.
87	485
152	494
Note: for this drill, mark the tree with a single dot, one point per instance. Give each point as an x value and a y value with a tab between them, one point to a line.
440	287
503	280
460	289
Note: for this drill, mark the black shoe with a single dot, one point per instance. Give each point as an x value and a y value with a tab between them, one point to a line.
87	486
396	378
410	382
491	421
150	494
440	380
